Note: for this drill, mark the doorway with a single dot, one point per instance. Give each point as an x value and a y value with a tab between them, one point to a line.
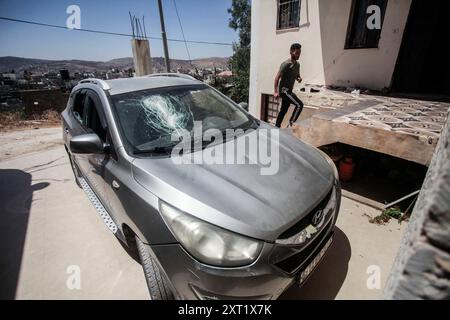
423	66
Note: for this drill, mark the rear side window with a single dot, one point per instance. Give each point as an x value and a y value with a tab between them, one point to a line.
78	107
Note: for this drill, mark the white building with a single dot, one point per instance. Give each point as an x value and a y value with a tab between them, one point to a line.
338	49
9	76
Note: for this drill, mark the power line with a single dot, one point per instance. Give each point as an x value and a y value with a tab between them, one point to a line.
112	33
182	32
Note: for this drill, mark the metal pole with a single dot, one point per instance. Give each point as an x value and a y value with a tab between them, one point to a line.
401	199
164	38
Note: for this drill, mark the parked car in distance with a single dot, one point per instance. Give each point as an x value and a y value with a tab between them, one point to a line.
201	231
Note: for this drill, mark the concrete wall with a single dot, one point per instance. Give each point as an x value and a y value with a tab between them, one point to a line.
322	33
141	57
369	68
46	99
270	47
422	266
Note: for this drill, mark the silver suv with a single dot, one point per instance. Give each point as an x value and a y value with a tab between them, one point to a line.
202	231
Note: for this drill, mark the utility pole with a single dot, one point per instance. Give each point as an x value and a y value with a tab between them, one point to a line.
164	38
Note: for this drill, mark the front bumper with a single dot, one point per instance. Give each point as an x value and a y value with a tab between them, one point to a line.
276	268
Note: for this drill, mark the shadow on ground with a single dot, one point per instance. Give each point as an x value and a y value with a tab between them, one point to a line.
132	252
16	196
327	279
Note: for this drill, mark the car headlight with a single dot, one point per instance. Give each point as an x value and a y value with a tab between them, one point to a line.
208	243
331	163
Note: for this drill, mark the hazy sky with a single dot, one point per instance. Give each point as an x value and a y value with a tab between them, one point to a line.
203	20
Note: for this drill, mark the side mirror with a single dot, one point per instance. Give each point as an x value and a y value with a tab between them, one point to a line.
244	105
87	144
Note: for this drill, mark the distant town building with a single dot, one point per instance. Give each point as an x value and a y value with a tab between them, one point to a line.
225	74
9	76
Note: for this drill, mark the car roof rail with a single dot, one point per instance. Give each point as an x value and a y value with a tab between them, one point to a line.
98	82
178	75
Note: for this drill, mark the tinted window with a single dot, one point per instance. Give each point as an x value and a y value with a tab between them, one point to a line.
92	121
358	34
78	106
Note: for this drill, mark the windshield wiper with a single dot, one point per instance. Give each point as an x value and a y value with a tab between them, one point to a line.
256	124
156	150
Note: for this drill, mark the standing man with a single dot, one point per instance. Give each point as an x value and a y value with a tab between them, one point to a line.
284	83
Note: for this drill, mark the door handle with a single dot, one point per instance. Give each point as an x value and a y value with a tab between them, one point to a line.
66	130
115	184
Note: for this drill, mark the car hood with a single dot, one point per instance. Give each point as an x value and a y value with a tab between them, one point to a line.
237	197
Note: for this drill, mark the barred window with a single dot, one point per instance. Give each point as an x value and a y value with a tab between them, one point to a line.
288	14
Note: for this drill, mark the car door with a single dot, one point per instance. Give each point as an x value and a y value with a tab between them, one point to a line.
92	166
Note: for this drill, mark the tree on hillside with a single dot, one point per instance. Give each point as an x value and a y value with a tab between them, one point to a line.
240	61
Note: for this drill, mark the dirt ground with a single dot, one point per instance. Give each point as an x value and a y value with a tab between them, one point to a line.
19	119
19	142
48	227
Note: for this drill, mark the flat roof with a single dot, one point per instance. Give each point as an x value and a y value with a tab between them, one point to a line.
405	129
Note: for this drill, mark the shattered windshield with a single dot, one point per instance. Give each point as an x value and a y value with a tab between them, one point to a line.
154	120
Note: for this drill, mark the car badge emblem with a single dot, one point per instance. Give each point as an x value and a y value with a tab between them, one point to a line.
317	218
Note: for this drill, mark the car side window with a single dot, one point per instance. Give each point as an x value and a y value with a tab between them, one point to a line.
78	106
93	122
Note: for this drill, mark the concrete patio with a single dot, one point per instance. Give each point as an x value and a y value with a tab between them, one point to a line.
403	128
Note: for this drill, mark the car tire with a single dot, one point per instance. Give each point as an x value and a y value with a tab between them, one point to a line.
157	283
75	171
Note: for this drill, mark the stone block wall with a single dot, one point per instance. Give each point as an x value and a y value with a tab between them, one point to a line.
422	266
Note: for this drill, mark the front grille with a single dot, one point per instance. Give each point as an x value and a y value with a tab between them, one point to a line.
302	224
300	260
302	242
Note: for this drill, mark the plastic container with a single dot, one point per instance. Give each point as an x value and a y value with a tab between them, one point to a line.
346	169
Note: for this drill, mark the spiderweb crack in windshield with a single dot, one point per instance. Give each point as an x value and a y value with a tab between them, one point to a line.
168	115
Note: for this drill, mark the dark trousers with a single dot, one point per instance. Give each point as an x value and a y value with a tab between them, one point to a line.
288	98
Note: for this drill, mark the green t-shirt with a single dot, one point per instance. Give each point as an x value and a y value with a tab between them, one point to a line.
289	72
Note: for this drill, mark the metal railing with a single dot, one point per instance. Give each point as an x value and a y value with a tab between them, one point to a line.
97	82
288	14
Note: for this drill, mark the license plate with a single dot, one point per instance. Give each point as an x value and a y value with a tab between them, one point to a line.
305	273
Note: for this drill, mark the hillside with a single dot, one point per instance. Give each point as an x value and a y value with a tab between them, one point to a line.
19	64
